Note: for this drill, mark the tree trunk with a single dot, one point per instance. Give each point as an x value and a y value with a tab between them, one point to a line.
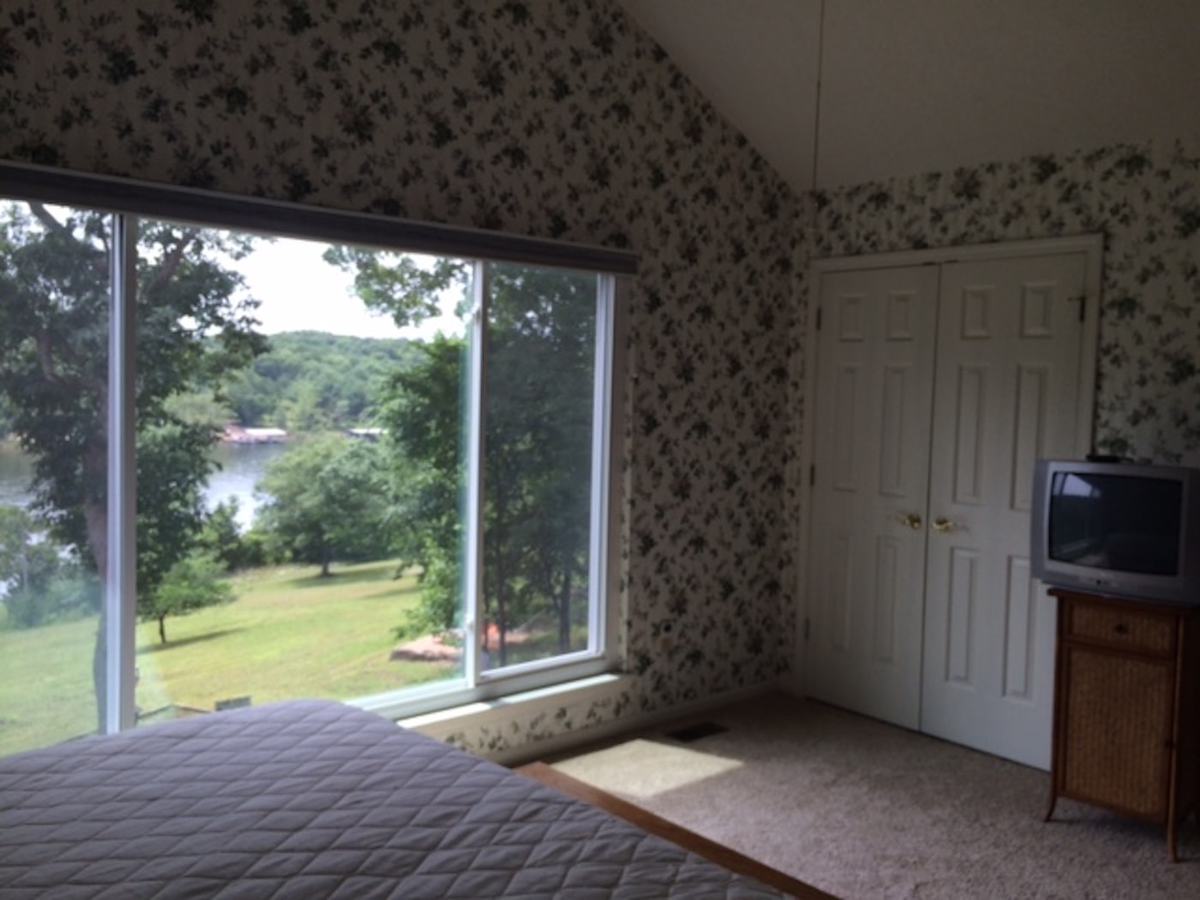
501	599
564	612
501	623
95	515
162	628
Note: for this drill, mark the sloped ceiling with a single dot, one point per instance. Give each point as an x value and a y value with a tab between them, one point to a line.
909	86
756	60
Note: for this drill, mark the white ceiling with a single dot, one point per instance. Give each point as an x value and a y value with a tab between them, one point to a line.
910	86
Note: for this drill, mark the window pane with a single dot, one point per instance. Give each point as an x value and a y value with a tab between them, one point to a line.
300	459
54	317
538	409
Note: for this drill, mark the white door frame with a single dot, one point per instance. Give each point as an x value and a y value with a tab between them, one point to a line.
1090	245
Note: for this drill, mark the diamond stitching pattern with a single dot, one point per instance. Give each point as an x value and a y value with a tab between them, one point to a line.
314	799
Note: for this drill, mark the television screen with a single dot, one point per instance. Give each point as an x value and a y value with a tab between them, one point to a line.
1119	522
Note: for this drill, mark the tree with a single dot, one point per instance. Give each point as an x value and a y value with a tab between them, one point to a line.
397	285
195	323
192	583
221	537
327	501
200	407
29	567
422	415
538	432
537	435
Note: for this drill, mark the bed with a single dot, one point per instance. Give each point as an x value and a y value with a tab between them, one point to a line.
314	799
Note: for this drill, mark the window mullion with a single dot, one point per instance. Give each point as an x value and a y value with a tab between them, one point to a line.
120	595
475	484
601	406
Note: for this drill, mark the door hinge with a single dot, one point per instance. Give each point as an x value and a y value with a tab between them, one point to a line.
818	318
812	475
807	628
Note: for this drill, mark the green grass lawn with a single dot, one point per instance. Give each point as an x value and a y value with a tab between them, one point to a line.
289	634
46	685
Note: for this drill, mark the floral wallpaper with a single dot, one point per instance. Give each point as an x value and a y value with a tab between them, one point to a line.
554	118
1144	199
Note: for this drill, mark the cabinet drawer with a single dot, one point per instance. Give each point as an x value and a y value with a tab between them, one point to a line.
1120	626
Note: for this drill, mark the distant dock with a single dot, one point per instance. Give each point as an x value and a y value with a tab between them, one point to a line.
236	434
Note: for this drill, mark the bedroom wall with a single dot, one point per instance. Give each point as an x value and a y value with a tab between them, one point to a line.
1144	198
555	118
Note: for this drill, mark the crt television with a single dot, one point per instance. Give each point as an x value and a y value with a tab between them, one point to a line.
1118	528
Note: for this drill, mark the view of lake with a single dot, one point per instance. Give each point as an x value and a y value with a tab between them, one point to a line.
242	465
16	471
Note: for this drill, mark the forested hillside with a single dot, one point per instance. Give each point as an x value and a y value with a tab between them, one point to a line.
306	381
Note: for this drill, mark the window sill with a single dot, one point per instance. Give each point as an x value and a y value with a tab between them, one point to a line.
488	714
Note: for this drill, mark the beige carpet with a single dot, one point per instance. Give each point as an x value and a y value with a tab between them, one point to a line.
862	809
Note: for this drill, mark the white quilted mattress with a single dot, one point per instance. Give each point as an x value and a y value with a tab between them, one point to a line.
314	799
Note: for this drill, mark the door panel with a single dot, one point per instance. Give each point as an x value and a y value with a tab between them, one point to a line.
1005	393
871	450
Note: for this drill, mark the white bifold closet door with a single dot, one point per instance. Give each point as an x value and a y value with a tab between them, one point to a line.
938	387
1010	335
867	563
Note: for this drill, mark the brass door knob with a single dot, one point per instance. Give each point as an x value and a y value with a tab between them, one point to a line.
942	525
912	520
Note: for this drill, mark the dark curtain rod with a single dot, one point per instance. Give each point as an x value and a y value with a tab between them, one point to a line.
19	181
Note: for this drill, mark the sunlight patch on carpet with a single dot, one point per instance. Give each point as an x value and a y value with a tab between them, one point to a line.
643	768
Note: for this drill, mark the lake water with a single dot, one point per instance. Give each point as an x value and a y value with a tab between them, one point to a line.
242	466
16	471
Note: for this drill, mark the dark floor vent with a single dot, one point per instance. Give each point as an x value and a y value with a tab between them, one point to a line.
695	732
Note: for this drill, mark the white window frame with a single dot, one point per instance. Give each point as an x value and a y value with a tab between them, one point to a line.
127	199
120	589
477	684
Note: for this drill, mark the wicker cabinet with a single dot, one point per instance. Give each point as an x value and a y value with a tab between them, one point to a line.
1125	708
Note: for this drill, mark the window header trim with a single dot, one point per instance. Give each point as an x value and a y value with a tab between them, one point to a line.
21	181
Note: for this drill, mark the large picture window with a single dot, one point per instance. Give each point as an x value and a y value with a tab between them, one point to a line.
240	466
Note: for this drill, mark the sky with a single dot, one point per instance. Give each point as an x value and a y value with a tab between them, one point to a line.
299	291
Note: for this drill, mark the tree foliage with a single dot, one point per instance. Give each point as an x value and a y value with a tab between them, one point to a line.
537	438
427	434
222	538
308	381
38	584
328	502
399	285
192	583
